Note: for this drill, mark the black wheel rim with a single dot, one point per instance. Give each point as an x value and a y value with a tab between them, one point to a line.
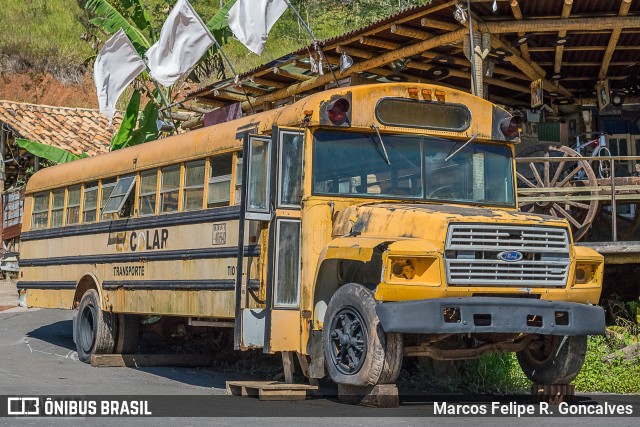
348	341
541	352
87	333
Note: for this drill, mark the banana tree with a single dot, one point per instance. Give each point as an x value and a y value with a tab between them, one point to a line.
137	126
51	153
133	18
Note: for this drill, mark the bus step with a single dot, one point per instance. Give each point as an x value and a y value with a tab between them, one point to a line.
151	360
553	394
269	390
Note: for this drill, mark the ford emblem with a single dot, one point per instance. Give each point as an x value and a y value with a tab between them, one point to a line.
510	256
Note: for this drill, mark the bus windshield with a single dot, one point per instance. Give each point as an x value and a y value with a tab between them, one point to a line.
355	165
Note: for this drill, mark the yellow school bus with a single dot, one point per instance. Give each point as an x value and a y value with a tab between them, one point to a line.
353	227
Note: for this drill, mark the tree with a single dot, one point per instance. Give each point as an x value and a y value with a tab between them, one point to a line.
137	126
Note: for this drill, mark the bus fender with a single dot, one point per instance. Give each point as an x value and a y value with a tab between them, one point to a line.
88	281
326	278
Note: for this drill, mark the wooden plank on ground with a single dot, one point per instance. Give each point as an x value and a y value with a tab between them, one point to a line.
269	390
150	360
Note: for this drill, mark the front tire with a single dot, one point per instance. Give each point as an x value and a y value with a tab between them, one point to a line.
357	351
550	361
95	329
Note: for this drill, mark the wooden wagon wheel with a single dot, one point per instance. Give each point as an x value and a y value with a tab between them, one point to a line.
569	172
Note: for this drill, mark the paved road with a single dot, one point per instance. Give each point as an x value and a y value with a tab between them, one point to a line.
37	357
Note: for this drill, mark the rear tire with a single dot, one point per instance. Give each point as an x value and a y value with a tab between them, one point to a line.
357	351
543	364
128	334
95	329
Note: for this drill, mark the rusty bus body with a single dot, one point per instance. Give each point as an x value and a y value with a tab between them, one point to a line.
353	226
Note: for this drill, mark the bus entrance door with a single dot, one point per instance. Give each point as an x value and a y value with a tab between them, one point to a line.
272	193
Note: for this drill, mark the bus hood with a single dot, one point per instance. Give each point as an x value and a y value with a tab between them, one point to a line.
426	221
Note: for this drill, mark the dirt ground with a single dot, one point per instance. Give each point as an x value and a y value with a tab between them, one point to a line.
45	89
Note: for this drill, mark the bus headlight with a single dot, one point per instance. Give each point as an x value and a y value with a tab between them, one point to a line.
404	268
585	272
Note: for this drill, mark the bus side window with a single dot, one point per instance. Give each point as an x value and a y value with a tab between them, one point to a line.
73	205
238	178
107	188
193	185
148	188
290	169
40	215
90	204
121	198
220	181
169	189
57	208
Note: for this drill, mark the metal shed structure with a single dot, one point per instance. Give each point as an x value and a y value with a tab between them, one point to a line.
569	44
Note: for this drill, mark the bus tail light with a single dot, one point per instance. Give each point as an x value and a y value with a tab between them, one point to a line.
510	126
338	111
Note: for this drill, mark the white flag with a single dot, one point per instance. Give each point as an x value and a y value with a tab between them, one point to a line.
183	40
251	20
117	64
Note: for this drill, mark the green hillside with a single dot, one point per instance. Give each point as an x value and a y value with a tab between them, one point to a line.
54	35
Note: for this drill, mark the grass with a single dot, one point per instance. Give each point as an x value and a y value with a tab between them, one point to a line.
43	32
501	373
46	33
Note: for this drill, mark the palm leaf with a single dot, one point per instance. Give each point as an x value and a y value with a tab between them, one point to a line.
147	127
110	20
120	139
220	20
44	151
140	17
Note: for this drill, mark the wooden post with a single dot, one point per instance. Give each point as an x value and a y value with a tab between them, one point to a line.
288	365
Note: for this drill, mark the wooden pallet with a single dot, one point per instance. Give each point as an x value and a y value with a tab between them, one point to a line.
269	390
553	394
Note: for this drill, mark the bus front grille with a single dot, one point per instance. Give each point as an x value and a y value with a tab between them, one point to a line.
507	255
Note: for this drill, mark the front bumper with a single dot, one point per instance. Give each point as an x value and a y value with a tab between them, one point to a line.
493	315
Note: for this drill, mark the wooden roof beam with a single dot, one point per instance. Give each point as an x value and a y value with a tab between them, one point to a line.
586	79
465	62
414	33
591	64
209	102
382	44
558	24
466	75
438	25
352	51
566	12
267	82
385	58
613	41
580	48
529	68
291	75
252	90
230	95
517	13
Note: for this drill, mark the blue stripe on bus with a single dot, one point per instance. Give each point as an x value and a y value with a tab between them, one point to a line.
160	285
45	285
129	224
173	255
200	285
